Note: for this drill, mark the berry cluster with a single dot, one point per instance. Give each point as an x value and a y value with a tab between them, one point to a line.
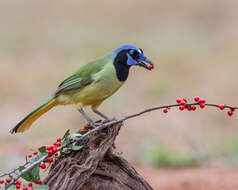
52	152
19	184
183	104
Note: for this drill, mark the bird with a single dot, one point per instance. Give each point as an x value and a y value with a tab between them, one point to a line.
91	84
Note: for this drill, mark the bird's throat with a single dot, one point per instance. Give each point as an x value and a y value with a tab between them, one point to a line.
120	64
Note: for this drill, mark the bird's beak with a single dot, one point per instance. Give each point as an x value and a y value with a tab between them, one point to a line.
142	62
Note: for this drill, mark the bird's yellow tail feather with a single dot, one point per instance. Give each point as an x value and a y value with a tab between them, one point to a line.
26	123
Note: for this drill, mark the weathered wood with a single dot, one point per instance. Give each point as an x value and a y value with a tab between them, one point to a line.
95	167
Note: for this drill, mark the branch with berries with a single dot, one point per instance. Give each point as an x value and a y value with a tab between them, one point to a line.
28	176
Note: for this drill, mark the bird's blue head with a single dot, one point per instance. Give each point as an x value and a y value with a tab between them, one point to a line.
132	55
127	56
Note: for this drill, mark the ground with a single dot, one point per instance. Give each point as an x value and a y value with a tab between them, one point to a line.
200	178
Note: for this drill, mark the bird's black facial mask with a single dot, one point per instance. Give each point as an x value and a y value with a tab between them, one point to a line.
137	58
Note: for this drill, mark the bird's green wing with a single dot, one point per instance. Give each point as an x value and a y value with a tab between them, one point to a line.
81	78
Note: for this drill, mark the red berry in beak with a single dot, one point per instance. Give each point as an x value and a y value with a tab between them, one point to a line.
151	67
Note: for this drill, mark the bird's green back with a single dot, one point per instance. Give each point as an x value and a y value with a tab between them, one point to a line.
84	76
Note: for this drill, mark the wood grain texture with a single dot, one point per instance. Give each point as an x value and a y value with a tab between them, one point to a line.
97	166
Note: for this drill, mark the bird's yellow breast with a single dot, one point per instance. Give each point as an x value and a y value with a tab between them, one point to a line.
104	85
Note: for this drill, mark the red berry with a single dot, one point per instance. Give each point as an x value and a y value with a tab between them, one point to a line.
151	67
59	140
221	106
202	101
56	154
196	99
202	105
183	103
50	152
54	150
49	160
58	144
30	185
18	186
18	182
86	125
230	113
48	147
42	166
194	108
39	182
29	155
1	181
181	107
184	99
165	110
35	153
25	188
30	188
8	179
178	100
189	108
83	130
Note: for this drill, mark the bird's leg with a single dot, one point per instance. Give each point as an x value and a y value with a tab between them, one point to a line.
90	122
101	114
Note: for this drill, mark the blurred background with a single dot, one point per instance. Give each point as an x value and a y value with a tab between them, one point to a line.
193	45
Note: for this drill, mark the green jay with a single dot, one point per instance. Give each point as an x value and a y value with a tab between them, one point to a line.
92	84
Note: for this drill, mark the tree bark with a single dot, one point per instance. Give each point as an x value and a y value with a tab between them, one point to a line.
97	166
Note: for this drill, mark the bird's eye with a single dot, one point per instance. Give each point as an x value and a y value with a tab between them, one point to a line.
134	53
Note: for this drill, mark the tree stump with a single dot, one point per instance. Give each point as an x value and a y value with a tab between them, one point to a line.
97	166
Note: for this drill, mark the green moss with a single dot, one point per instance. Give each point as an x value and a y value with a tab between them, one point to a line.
160	156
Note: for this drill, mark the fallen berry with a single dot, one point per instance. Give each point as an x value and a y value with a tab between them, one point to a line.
42	166
1	181
202	105
165	110
39	182
18	186
8	179
181	107
221	106
196	99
